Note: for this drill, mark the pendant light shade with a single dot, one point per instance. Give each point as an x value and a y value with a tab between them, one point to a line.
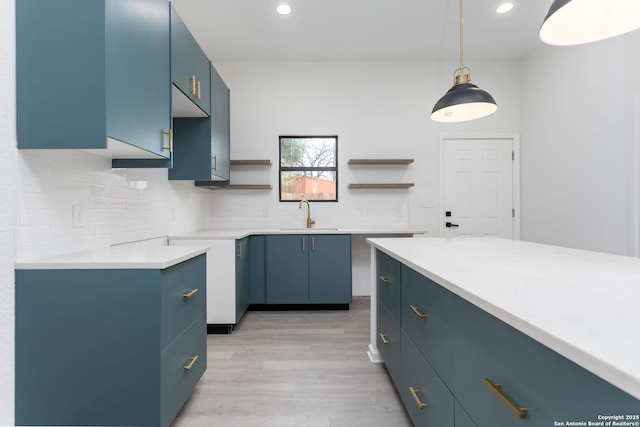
572	22
464	101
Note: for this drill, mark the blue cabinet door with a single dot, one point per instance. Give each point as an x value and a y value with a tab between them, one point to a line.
189	65
287	267
257	278
242	277
330	269
107	74
220	128
388	283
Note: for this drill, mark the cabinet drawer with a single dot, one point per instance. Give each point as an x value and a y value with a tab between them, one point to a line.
388	283
388	341
420	385
177	382
531	376
427	319
183	296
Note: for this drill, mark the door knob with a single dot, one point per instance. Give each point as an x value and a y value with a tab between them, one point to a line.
450	224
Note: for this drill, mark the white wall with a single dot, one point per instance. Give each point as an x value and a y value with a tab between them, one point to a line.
577	146
8	173
378	110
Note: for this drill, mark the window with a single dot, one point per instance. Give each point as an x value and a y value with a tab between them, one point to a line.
309	168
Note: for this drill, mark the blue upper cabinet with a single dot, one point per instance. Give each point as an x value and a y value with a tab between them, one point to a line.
201	148
94	75
220	128
189	72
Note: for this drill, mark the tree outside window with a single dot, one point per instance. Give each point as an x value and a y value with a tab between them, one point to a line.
309	168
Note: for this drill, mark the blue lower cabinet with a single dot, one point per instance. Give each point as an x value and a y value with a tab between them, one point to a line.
504	378
427	399
388	282
257	270
287	266
330	269
388	341
92	345
427	318
308	269
242	277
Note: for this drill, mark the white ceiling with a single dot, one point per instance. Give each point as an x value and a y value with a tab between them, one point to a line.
371	30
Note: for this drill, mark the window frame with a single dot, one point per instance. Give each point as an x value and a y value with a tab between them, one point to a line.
305	169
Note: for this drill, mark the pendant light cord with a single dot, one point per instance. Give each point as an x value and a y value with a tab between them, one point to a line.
461	38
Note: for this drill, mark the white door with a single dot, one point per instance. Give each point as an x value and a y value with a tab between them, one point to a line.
477	179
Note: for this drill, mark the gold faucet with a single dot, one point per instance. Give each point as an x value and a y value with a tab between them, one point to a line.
310	222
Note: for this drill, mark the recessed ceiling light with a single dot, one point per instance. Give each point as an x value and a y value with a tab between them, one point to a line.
504	8
283	9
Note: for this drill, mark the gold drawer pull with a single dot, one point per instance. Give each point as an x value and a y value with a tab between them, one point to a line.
198	90
192	79
239	250
192	362
496	388
190	293
414	393
416	311
384	339
169	134
384	279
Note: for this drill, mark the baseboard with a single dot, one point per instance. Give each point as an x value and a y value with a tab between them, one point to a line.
284	307
220	328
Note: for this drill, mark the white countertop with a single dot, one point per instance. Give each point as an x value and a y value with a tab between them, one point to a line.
583	305
117	257
241	233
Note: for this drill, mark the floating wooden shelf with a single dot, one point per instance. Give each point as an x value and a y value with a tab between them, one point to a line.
236	187
380	161
383	185
250	162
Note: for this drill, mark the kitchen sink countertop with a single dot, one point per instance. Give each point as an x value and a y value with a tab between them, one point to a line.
117	257
240	233
581	304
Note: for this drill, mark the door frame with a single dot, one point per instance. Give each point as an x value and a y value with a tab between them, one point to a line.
515	176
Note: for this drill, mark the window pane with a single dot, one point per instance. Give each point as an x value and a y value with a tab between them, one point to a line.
311	185
308	152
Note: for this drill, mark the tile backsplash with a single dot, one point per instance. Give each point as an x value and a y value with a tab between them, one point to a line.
71	201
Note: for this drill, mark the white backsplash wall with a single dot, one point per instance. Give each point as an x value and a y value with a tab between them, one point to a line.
72	201
377	109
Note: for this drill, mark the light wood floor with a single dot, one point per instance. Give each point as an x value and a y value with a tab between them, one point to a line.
295	368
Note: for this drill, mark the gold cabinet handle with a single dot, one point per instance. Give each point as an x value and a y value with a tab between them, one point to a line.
313	244
417	312
192	361
497	389
215	162
169	134
414	392
384	280
384	339
192	79
240	250
303	244
190	293
198	90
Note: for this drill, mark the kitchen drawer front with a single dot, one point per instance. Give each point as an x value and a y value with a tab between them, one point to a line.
427	319
532	376
388	283
177	382
388	341
417	375
184	296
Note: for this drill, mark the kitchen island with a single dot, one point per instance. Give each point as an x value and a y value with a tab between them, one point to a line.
564	319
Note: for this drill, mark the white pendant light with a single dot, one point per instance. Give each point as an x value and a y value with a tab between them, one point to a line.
572	22
464	101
